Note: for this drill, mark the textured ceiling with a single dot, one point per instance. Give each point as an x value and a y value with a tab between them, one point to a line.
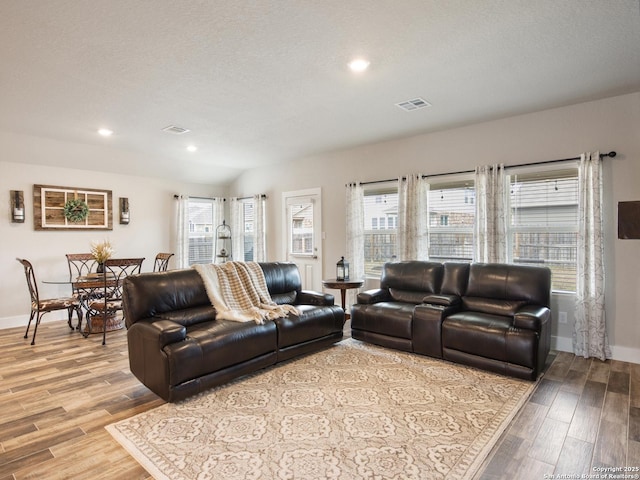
262	82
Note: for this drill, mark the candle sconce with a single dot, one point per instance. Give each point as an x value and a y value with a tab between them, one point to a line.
124	210
17	206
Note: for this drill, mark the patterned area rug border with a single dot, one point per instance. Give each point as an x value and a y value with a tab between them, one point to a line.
351	411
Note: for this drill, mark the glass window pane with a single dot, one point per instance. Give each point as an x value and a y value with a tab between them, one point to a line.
201	230
301	222
544	223
380	220
451	216
248	233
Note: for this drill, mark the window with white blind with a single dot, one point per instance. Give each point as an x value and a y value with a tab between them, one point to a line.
201	231
380	221
451	215
248	231
544	223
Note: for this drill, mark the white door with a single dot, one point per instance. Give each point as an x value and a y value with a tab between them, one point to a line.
303	224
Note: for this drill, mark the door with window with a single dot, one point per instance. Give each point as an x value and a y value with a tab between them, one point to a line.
303	224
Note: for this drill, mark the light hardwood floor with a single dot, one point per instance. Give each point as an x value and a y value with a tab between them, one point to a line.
57	396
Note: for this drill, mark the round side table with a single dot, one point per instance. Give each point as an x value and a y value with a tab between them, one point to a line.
343	286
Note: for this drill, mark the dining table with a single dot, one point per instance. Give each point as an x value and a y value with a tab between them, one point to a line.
89	289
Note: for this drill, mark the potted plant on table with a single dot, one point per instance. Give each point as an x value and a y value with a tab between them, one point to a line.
101	251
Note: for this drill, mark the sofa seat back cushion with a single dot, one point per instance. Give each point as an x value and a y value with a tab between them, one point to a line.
454	279
287	298
492	306
281	277
411	277
311	323
490	336
190	316
532	285
150	294
215	345
386	318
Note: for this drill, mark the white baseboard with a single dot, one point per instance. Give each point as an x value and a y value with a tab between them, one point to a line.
21	320
622	354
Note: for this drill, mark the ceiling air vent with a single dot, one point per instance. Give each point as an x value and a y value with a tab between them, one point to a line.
413	104
175	129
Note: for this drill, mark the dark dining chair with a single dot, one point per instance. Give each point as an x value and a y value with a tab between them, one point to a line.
41	306
115	271
80	264
162	262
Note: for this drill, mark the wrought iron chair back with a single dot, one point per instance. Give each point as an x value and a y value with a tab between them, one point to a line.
162	262
80	265
115	271
40	307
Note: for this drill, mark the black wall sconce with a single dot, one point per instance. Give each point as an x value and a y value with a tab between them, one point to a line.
124	210
17	206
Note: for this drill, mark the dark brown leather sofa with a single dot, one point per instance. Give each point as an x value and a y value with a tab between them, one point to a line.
177	347
491	316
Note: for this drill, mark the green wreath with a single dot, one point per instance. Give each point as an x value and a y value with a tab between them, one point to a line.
76	210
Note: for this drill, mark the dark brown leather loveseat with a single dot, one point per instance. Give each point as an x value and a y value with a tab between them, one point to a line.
491	316
177	347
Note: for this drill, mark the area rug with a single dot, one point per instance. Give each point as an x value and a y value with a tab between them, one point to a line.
353	411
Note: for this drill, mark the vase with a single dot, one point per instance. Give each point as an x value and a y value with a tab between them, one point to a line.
100	268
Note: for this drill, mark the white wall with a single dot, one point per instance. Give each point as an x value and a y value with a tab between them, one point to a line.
150	231
610	124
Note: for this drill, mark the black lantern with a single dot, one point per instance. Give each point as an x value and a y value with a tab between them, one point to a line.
342	270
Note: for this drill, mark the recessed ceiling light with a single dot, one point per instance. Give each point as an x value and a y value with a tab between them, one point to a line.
359	65
105	132
192	148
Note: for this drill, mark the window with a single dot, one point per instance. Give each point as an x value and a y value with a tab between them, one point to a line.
380	220
544	223
451	215
201	228
249	230
301	221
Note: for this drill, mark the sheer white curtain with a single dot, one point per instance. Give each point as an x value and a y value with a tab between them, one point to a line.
355	235
260	221
412	218
490	230
590	333
182	229
236	218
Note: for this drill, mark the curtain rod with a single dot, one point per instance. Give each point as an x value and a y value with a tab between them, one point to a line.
602	155
262	195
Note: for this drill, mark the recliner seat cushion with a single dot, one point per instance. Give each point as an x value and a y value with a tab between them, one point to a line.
386	318
490	336
215	345
311	323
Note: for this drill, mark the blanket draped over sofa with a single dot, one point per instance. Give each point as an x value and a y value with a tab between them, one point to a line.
238	291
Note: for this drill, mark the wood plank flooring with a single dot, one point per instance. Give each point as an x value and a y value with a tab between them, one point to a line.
57	396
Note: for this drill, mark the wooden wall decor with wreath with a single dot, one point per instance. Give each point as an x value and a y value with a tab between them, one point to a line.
70	208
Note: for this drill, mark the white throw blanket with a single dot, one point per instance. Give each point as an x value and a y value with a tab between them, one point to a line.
238	291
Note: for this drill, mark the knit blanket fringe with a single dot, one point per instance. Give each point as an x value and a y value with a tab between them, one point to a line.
238	291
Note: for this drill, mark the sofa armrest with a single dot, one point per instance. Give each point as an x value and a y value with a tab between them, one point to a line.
442	299
310	297
374	296
162	332
531	317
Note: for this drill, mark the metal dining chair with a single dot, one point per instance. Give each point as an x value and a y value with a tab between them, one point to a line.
41	306
115	271
80	264
162	262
